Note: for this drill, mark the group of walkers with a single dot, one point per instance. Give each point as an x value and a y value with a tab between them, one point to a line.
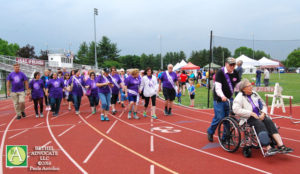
108	87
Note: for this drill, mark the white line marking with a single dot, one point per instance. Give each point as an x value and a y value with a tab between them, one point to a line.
151	143
88	116
79	122
93	151
193	148
66	131
111	126
293	155
3	140
46	144
152	169
290	139
38	124
18	133
3	124
64	151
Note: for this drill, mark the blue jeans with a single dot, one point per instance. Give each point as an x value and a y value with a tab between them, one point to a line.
123	98
257	81
55	104
221	110
77	102
105	100
94	100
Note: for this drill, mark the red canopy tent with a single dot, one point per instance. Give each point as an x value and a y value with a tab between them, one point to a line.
190	66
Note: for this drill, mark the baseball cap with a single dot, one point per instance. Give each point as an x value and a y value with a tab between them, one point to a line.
231	60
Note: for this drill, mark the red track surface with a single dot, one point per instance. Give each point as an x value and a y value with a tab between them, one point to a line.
85	144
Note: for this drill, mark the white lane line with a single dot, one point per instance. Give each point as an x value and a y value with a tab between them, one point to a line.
18	134
151	143
59	115
293	155
93	151
66	131
3	140
3	124
79	122
38	124
111	126
152	169
195	149
61	147
46	144
88	116
290	139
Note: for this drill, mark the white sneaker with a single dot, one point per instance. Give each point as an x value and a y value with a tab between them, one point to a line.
77	112
36	115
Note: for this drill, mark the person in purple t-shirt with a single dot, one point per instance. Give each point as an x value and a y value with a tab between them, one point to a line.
55	92
77	92
37	89
90	84
105	84
116	89
170	88
132	84
19	83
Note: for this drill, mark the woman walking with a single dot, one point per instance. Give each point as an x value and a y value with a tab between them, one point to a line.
105	84
92	92
55	92
116	88
37	88
150	86
131	90
77	91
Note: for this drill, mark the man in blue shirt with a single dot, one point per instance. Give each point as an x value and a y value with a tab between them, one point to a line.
258	76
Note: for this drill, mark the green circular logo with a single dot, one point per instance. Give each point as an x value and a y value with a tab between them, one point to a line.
16	155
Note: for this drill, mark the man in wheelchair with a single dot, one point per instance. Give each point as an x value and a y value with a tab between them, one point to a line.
251	108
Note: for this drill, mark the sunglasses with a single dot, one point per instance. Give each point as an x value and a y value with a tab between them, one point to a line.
232	64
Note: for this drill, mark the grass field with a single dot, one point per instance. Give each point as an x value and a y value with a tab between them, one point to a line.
289	82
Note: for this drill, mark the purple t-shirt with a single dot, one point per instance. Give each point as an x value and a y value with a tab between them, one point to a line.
55	87
77	89
17	81
92	85
132	84
104	89
117	79
166	82
36	87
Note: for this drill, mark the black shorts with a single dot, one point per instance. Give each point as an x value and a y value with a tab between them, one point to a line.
192	96
70	98
114	98
169	94
182	83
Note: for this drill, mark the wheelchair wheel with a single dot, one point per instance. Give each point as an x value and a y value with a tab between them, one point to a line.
247	151
254	141
229	134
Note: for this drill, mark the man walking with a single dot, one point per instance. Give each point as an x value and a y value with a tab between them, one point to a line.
19	82
226	80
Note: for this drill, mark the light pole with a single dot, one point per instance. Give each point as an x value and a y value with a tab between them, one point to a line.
95	13
161	60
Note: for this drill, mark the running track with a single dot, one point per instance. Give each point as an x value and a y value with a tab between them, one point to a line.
170	144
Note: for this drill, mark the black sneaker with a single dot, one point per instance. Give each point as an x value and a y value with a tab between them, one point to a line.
166	113
123	106
169	113
283	149
18	117
114	112
23	114
210	137
271	151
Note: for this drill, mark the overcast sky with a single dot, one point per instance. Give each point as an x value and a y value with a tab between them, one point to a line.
135	25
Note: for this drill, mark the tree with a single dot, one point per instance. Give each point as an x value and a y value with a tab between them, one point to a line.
83	55
107	50
44	55
27	52
173	58
243	50
260	54
130	61
111	63
293	59
8	49
220	54
200	58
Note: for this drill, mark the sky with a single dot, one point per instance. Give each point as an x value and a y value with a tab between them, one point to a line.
135	25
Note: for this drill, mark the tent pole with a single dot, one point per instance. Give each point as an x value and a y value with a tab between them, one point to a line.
210	59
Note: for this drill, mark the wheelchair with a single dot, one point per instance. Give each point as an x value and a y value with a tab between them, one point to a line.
234	132
232	135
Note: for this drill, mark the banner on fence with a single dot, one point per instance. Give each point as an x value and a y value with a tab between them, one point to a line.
30	61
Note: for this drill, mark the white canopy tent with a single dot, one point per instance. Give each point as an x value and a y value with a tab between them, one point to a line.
268	62
249	65
179	65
